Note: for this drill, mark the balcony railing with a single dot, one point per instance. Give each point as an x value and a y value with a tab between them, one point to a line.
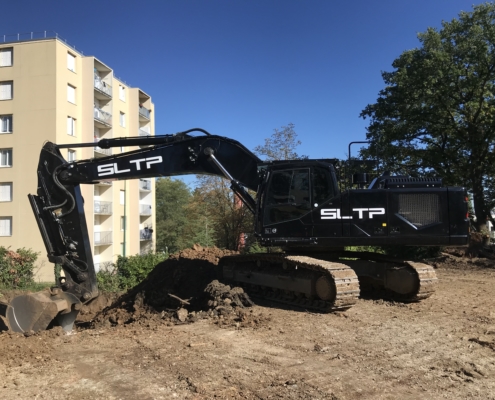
144	185
103	86
103	238
144	112
103	207
142	132
102	116
106	152
145	209
146	234
104	183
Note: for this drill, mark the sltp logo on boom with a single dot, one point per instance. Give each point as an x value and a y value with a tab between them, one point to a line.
111	169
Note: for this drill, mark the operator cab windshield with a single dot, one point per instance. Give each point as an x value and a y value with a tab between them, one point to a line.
288	196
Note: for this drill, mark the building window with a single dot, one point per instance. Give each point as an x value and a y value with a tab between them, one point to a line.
122	248
6	191
122	119
122	197
121	92
5	123
122	223
71	62
71	155
5	226
71	94
71	126
5	157
6	90
6	57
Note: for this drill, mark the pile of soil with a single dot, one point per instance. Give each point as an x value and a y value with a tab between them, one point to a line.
184	288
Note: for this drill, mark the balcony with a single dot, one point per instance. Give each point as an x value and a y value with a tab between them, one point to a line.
102	152
103	207
145	209
103	183
144	185
102	117
142	132
144	112
103	87
146	234
103	238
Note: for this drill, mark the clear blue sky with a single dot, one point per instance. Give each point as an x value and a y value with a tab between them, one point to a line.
241	68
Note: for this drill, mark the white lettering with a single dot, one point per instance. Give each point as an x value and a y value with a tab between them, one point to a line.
334	213
153	160
138	163
106	169
376	211
328	213
360	211
116	168
343	216
110	169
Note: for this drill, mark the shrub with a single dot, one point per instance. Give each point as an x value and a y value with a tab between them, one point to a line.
17	267
133	269
108	279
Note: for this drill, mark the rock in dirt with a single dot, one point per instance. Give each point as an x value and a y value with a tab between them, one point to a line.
183	288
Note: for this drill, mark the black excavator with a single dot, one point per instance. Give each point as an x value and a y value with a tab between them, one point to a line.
298	207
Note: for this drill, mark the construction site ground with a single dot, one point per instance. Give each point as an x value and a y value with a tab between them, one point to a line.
442	347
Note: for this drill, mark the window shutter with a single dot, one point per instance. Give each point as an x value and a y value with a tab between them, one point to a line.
5	90
5	191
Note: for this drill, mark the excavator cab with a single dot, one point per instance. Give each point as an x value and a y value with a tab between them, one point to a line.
291	199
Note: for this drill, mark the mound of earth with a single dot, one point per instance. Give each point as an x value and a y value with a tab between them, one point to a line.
183	288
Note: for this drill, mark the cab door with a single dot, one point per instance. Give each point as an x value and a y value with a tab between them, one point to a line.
326	203
287	209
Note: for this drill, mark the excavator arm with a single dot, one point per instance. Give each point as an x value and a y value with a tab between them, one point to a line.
59	208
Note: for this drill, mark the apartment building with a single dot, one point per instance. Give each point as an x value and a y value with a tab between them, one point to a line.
50	91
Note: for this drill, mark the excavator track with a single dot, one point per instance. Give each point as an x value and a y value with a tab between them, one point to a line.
426	285
400	280
300	281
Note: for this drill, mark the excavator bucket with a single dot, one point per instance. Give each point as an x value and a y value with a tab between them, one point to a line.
37	311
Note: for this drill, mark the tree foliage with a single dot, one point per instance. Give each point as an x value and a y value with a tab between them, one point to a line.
172	200
229	219
280	145
436	114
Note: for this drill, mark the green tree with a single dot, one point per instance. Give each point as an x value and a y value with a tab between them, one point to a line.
229	218
172	201
281	145
436	114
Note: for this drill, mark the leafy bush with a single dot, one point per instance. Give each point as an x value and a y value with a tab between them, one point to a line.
127	272
108	279
17	267
133	269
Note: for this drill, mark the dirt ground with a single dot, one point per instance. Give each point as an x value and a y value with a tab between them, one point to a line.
145	346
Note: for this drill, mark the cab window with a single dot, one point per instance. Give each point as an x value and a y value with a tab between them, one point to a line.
288	196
